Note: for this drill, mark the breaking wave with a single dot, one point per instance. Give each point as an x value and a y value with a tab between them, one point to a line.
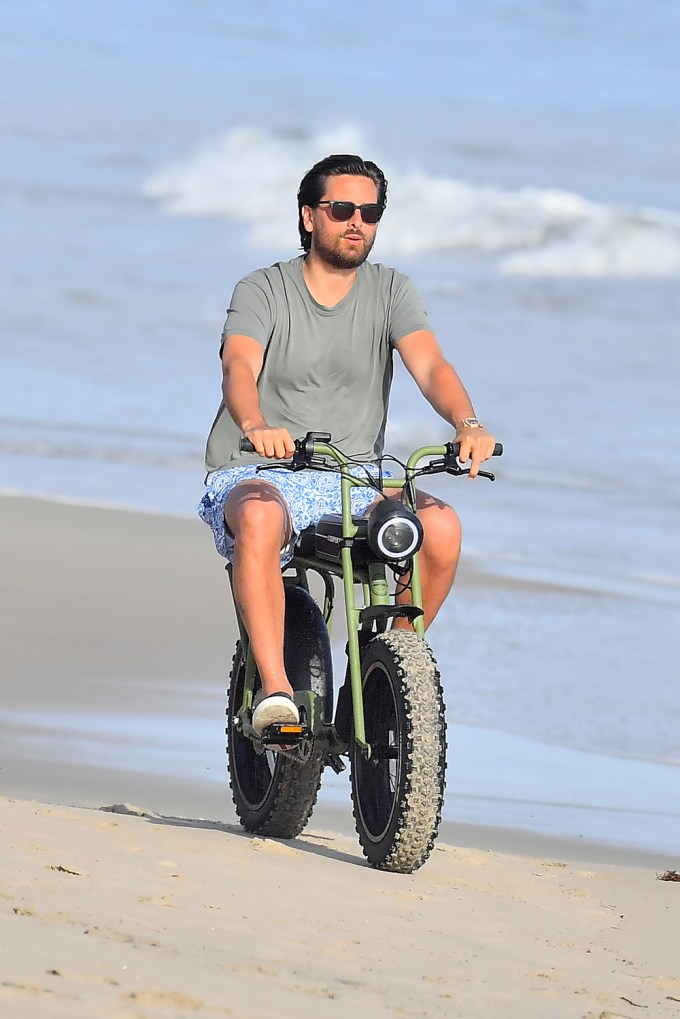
250	176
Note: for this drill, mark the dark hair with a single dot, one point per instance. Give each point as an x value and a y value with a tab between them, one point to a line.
313	184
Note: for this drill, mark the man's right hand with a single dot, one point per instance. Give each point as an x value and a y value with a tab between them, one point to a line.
271	442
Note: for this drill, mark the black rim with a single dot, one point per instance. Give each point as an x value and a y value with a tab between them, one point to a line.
377	780
252	772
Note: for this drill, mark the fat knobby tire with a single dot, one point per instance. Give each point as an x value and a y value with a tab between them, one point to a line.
397	821
273	794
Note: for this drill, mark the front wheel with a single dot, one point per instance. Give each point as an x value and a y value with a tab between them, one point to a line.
398	793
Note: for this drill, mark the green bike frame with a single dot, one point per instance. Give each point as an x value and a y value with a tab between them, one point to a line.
376	595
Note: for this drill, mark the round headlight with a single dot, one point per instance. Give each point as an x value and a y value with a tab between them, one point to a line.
394	532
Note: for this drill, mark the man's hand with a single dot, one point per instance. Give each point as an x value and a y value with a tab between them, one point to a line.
271	442
476	445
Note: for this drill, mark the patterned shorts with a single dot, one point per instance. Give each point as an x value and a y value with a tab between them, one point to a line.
308	495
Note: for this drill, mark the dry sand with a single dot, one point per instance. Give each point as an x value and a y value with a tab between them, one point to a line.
134	917
151	914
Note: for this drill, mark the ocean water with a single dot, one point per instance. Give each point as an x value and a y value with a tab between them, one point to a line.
150	157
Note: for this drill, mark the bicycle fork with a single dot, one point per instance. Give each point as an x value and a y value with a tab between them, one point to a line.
376	612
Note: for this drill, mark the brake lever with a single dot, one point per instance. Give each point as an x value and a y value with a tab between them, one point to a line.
444	465
434	467
457	471
298	463
302	462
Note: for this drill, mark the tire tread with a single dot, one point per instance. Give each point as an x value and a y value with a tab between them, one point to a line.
421	798
296	786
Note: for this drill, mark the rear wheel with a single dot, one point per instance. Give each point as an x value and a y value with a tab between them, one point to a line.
273	794
398	793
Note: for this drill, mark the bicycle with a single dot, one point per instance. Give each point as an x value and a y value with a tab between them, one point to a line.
389	719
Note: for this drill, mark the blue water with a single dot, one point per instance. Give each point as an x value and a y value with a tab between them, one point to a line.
150	156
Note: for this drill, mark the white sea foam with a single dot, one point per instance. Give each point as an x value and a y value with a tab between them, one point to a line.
250	176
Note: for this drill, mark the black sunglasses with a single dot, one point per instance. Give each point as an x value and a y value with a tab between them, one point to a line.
342	211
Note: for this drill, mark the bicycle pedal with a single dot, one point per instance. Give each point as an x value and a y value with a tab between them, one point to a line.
279	733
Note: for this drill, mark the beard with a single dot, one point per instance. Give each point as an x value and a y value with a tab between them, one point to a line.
339	256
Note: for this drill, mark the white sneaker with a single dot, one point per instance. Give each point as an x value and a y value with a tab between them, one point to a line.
278	708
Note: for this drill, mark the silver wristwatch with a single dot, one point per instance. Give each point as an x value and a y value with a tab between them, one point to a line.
470	423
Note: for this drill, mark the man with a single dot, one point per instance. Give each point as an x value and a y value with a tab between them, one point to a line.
307	346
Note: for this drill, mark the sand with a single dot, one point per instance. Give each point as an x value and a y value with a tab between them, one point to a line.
149	911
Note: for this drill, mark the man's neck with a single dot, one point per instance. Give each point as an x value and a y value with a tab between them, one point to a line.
326	284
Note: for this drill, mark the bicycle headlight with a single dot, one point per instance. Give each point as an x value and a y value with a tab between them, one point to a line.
394	531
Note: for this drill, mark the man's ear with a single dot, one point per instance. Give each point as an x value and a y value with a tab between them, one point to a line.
307	219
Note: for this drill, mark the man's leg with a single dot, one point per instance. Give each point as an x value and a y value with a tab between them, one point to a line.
438	557
257	516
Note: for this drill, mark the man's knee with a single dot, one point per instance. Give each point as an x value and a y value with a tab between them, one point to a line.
443	532
257	514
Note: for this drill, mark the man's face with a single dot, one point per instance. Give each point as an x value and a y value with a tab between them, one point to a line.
342	245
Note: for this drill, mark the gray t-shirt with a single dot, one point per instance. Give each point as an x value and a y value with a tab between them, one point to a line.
324	369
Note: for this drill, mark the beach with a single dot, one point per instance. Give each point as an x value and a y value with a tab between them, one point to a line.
133	892
152	158
550	283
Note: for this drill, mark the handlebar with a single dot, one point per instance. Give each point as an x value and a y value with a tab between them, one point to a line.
305	446
319	443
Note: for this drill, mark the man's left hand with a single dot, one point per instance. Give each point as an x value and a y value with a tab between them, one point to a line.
476	445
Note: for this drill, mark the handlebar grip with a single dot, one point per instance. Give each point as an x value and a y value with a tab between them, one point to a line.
245	445
497	449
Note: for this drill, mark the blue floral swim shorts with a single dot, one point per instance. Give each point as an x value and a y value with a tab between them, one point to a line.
308	494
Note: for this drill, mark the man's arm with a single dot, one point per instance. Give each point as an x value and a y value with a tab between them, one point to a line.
441	387
242	358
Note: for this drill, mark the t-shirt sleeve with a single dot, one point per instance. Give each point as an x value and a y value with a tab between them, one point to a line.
250	312
407	312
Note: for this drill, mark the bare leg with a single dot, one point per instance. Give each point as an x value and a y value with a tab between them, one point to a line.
257	516
438	557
